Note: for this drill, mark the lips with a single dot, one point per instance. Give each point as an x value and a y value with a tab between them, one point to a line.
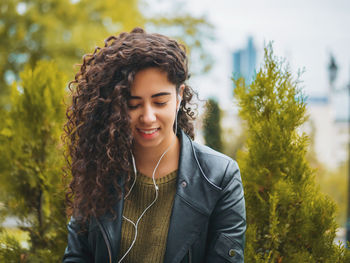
148	133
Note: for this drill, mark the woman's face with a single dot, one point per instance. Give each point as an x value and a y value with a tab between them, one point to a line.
152	108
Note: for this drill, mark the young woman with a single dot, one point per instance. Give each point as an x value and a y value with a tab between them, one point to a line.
141	189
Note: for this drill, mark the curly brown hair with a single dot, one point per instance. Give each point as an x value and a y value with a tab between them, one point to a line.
97	132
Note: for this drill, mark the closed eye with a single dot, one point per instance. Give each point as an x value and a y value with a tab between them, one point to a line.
133	106
160	103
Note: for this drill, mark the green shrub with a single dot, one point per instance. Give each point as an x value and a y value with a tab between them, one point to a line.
31	164
211	125
288	218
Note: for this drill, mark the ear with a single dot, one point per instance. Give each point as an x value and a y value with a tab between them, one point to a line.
180	92
179	97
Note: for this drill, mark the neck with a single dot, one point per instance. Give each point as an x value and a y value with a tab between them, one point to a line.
147	158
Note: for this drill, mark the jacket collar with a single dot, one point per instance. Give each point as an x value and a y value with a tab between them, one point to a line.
194	200
193	184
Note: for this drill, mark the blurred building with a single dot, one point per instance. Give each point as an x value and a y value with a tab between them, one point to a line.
243	64
329	121
244	61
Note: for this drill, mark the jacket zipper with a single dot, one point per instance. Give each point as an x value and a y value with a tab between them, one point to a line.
190	255
106	240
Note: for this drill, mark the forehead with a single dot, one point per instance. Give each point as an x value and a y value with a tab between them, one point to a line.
150	81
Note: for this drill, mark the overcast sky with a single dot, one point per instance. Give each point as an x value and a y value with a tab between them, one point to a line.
305	32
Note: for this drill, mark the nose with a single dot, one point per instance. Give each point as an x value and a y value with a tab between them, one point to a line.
148	115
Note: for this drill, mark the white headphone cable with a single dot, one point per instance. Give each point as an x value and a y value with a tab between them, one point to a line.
149	206
135	173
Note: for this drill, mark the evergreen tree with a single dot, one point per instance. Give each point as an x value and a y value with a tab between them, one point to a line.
31	162
288	218
211	125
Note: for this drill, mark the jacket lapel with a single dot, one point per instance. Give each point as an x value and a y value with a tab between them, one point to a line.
194	200
112	227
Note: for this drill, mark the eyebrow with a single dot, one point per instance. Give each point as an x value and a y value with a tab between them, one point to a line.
153	96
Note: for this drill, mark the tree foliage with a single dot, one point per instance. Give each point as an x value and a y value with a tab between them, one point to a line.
193	32
31	161
335	184
288	218
211	125
58	29
64	30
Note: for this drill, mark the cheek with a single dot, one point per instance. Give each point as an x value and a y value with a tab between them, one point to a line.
169	117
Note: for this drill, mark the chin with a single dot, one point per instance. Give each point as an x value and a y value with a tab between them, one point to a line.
146	145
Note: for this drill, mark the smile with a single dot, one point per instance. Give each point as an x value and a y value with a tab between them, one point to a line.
148	131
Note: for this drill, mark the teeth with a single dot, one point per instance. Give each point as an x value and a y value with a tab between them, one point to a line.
149	132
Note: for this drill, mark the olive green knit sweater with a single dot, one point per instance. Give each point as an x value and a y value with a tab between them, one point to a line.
153	227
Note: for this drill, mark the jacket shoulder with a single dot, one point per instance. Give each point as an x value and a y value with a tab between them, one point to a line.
217	167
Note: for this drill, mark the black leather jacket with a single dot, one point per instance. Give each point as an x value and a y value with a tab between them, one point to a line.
207	222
